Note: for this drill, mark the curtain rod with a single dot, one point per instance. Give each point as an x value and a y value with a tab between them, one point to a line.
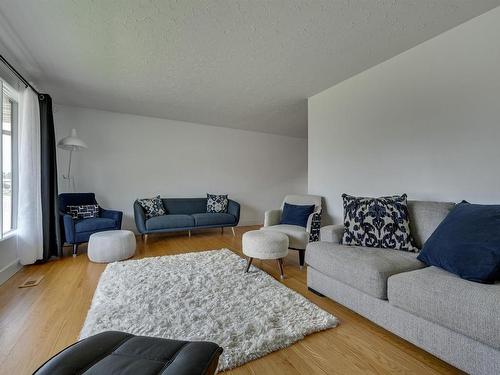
18	75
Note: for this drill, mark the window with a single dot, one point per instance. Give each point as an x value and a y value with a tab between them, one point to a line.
8	160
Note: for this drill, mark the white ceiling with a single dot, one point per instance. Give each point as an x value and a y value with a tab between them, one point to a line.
240	64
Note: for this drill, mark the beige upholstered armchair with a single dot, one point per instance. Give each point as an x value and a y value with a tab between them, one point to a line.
298	236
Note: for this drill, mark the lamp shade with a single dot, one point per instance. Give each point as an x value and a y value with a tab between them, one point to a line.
72	142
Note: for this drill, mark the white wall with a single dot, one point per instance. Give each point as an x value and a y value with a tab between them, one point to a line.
9	261
134	156
426	122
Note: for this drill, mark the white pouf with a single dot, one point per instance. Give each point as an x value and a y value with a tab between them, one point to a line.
111	246
262	244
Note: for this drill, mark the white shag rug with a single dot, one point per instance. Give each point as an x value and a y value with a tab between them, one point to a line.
204	296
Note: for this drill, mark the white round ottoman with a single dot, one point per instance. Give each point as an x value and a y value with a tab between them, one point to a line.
111	246
262	244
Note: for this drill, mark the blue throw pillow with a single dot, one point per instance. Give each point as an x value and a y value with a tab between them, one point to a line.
296	215
467	243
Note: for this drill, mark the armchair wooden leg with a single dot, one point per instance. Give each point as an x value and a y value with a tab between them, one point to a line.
302	255
75	249
234	233
249	263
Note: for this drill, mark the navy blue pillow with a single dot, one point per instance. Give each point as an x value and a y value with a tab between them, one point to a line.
296	215
467	243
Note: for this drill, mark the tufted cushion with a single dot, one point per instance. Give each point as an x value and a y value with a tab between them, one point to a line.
125	354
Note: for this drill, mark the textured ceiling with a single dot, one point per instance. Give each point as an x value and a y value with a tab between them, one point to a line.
240	64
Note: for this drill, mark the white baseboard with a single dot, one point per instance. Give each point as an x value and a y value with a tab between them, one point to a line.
9	270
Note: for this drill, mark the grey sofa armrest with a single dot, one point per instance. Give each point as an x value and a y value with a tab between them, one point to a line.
272	217
233	208
140	218
332	233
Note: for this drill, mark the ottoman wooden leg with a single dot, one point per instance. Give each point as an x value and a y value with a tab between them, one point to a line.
280	265
249	263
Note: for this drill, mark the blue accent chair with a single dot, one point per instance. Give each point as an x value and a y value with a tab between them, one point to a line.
77	231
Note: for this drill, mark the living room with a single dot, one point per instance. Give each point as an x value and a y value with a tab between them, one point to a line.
250	187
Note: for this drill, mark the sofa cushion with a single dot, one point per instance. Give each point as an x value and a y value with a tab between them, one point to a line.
152	206
213	219
96	223
441	297
364	268
217	203
293	214
467	243
377	222
185	206
297	236
425	218
84	211
169	221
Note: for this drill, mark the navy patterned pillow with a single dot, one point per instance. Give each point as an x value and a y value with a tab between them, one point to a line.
217	203
152	206
377	222
84	211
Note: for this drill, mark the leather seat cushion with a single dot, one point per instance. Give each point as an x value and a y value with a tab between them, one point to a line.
125	354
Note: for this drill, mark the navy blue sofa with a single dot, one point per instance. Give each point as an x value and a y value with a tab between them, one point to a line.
186	214
76	231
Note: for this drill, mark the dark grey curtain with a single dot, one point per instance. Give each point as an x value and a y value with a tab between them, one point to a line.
51	230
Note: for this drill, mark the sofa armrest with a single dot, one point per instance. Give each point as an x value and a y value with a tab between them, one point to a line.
69	228
114	215
272	217
140	218
332	233
233	208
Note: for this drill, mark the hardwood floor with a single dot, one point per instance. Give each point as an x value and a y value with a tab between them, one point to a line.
37	322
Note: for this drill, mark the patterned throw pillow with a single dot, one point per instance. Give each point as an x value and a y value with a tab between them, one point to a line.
152	206
377	222
84	211
217	203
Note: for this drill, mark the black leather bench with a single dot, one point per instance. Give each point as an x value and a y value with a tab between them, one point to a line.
122	353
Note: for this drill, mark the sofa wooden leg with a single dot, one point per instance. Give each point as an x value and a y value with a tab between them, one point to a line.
234	233
189	233
145	238
221	230
75	249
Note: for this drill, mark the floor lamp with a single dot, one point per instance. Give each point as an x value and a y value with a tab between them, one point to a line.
71	143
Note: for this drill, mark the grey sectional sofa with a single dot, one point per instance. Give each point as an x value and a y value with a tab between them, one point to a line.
186	214
454	319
